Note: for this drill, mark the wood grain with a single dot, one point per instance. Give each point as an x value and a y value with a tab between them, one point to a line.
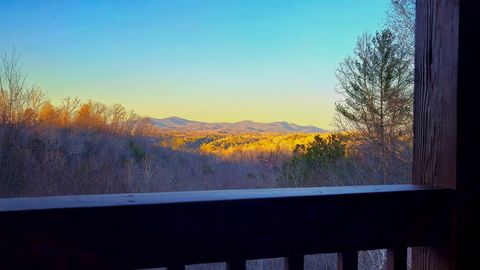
167	229
435	124
446	113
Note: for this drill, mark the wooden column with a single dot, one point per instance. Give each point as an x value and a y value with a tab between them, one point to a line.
294	262
176	267
396	259
347	260
446	119
236	265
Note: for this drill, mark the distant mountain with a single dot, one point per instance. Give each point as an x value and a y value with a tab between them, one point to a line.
180	124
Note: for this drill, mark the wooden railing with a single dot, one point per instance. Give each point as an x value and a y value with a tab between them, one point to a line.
180	228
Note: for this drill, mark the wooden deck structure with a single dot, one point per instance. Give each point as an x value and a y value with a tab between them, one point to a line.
437	216
178	228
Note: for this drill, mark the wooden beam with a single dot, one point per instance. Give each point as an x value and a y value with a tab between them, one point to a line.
294	262
467	223
176	267
347	260
236	265
396	259
161	229
446	106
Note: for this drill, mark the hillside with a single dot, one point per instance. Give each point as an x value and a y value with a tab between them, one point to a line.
184	125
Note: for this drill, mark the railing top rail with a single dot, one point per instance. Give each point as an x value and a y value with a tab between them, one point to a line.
159	229
129	199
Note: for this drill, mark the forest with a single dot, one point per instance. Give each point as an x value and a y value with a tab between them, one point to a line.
88	147
77	147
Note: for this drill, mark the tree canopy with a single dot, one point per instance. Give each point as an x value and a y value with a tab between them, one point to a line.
377	91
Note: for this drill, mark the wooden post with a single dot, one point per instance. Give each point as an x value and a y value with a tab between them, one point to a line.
294	263
236	265
176	267
347	260
446	120
397	259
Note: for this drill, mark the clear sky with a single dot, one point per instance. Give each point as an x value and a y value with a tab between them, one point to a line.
207	60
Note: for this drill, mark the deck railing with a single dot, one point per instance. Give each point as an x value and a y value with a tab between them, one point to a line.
179	228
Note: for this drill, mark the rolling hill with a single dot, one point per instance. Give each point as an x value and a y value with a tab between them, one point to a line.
180	124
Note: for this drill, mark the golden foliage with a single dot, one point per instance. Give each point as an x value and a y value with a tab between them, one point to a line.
48	114
226	145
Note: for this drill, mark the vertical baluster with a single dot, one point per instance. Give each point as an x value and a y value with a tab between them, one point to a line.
176	267
397	259
237	265
294	262
347	260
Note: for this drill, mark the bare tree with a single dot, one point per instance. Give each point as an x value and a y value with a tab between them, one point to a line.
377	96
401	19
67	110
18	104
12	91
35	100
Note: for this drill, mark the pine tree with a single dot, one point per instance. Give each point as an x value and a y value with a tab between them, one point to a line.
376	86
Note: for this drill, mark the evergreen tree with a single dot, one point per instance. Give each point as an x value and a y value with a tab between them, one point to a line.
376	86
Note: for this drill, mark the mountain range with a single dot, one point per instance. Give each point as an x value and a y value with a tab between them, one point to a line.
180	124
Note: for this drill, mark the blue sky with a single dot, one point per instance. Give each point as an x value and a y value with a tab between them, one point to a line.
230	60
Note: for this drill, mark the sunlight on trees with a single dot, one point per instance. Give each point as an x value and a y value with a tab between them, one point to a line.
316	156
377	104
89	147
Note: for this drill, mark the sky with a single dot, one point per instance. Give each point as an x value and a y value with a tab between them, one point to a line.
205	60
